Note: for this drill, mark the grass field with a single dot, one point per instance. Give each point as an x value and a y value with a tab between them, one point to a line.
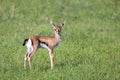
90	47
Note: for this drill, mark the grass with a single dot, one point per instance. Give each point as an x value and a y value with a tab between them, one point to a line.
90	47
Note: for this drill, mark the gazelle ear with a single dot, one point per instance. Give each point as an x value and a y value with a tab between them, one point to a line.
53	25
62	24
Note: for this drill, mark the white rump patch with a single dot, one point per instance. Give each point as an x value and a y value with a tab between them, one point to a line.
44	46
29	46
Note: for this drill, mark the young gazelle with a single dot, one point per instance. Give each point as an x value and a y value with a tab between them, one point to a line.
48	42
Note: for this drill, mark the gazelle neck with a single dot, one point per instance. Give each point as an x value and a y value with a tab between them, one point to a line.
57	36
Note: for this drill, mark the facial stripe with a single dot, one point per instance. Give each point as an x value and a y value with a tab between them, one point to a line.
58	29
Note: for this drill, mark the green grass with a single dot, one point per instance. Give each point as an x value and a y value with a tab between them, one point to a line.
90	47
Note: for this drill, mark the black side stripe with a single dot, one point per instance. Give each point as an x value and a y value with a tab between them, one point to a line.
43	42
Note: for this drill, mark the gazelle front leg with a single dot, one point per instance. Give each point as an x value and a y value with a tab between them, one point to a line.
51	58
30	63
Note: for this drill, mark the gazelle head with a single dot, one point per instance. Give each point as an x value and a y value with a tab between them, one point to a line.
57	28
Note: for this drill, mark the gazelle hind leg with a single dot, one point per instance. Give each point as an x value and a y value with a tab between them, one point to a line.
29	51
29	60
35	47
30	64
25	59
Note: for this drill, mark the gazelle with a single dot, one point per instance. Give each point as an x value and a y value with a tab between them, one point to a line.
48	42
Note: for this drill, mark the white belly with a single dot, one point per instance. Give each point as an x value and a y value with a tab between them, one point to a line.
44	46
